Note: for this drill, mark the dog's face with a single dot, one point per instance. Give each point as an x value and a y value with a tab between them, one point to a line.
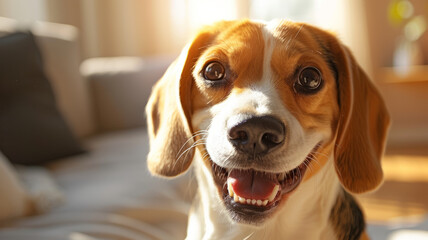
266	105
269	113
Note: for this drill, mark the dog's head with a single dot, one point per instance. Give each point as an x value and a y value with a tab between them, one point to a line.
266	104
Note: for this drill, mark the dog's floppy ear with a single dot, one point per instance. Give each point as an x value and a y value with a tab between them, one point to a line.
169	113
362	127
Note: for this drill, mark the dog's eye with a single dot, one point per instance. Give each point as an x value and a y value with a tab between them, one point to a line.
214	71
309	81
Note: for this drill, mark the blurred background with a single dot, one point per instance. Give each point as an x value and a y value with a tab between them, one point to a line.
389	39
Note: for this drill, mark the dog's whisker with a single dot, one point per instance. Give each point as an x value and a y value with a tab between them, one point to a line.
322	154
291	40
182	146
186	151
193	144
308	166
311	167
196	134
200	132
199	142
314	160
249	236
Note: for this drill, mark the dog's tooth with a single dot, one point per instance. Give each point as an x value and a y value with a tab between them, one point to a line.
236	198
265	202
273	194
242	200
248	201
230	189
281	176
259	202
254	201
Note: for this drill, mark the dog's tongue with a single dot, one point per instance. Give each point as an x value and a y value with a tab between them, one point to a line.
251	184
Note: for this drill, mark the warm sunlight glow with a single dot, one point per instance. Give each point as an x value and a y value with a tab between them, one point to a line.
197	13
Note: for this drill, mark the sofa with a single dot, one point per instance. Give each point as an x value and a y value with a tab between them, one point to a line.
102	190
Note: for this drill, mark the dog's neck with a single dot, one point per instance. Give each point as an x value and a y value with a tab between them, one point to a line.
305	215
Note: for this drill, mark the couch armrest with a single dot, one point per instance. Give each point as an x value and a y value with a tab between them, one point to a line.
120	88
8	26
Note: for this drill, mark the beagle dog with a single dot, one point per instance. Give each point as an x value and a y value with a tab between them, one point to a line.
281	126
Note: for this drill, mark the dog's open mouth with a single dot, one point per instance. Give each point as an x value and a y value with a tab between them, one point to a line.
252	195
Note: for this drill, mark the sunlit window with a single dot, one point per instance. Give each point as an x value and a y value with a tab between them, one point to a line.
297	10
323	13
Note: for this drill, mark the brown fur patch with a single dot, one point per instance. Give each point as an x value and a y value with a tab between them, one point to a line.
240	48
320	158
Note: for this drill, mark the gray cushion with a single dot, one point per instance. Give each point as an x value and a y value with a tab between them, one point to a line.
32	130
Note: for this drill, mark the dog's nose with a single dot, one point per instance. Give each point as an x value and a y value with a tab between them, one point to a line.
257	135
